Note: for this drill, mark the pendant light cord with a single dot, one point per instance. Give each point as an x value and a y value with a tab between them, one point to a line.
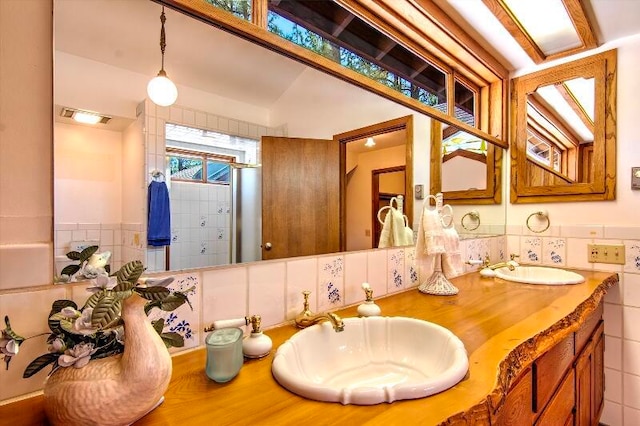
163	42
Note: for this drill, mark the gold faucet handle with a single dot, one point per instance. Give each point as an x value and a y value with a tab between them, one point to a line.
368	291
513	256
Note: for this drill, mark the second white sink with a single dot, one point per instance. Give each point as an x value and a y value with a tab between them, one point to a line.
539	275
374	360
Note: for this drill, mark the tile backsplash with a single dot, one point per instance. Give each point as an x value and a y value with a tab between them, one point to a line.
273	289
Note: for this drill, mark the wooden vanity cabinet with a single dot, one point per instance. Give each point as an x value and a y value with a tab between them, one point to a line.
589	369
563	386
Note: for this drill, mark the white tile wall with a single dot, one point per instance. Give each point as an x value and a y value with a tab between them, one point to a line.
194	249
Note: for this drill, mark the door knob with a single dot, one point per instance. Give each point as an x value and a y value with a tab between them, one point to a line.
267	246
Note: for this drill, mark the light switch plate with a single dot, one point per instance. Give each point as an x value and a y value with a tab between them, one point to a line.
419	192
635	178
606	253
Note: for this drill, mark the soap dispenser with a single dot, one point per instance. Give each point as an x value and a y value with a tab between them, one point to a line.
257	344
368	308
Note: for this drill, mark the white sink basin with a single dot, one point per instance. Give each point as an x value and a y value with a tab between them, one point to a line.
539	275
374	360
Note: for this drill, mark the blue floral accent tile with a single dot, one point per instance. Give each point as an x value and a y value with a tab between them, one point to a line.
531	250
396	271
632	253
184	320
554	251
331	282
410	269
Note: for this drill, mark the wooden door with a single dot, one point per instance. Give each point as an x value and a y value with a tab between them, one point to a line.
300	197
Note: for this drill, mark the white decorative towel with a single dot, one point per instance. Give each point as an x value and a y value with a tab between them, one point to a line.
452	264
408	233
393	233
430	234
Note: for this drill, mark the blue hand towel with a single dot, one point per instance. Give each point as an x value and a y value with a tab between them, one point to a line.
159	220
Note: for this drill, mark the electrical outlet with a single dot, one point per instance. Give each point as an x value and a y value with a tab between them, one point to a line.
606	253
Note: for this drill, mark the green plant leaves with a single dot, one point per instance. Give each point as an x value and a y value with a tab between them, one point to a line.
158	325
73	255
153	293
172	339
70	269
130	271
87	253
12	334
38	364
106	312
173	302
56	307
124	286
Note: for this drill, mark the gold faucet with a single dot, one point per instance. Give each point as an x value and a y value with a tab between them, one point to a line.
486	263
510	265
306	318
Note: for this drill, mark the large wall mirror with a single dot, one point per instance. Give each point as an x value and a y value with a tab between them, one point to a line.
564	125
233	96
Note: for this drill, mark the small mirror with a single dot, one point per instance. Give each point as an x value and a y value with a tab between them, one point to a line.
464	167
565	135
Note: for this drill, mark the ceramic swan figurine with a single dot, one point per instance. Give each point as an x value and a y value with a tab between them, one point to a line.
115	390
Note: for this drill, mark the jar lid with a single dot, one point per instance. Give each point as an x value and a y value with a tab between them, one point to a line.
223	336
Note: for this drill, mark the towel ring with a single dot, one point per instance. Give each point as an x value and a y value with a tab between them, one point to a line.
380	211
450	216
539	214
474	216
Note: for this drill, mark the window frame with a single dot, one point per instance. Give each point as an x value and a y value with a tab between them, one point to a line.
204	156
464	56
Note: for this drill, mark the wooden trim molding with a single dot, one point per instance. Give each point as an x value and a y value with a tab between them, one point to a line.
205	12
603	68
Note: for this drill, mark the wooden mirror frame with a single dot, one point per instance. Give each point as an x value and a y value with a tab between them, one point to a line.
603	68
492	194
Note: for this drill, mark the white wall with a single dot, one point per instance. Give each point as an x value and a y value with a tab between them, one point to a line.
461	173
86	84
88	177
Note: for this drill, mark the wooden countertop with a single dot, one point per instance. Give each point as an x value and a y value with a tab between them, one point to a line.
503	325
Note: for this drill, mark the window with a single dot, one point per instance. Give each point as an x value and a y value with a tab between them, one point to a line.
543	151
199	167
240	8
465	103
333	32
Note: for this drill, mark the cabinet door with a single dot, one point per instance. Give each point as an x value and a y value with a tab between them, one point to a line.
560	408
584	381
517	406
598	374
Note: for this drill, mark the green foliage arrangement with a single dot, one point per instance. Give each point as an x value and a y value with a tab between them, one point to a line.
95	330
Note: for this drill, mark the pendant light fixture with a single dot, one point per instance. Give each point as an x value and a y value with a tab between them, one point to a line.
160	89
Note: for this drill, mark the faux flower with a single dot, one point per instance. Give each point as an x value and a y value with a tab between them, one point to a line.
102	282
90	271
8	346
78	356
57	346
82	325
69	312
